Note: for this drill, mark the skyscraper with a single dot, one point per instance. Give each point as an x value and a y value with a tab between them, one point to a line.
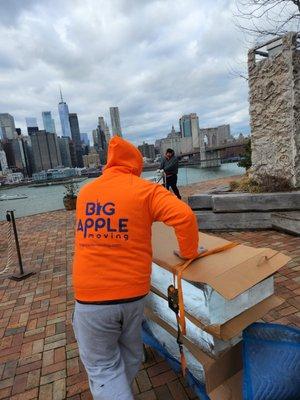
54	152
28	155
101	123
104	128
15	154
3	160
72	153
7	126
195	130
31	122
147	150
75	132
115	121
64	117
64	148
95	138
189	127
107	133
185	126
48	122
85	138
99	138
45	150
32	125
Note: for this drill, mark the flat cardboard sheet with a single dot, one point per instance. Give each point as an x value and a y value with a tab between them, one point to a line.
236	325
217	371
230	272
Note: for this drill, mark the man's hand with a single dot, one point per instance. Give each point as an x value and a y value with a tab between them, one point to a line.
201	250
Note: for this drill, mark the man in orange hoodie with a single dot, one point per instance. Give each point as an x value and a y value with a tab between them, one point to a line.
112	266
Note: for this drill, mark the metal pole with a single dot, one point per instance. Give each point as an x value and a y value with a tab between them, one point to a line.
17	241
11	218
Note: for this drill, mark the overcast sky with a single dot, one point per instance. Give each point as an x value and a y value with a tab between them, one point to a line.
155	60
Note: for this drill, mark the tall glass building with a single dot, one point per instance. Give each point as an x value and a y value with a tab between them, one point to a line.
185	126
189	127
48	122
63	111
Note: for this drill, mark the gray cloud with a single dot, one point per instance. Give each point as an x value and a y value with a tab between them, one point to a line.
154	59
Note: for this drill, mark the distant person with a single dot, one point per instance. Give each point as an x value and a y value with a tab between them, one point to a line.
170	166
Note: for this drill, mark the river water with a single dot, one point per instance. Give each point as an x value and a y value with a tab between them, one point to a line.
50	198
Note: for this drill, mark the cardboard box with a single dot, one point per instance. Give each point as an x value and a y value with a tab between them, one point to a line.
230	272
231	389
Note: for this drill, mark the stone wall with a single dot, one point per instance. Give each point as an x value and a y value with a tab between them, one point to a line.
274	91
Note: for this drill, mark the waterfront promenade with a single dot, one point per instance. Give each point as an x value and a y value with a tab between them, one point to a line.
38	352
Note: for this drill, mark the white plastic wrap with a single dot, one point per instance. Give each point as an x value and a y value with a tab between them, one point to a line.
170	344
208	343
207	305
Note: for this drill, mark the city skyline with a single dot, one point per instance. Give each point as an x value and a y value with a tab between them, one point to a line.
31	122
43	150
152	70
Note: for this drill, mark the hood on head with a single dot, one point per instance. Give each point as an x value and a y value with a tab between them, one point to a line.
124	155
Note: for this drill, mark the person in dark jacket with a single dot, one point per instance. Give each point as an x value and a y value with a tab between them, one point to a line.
170	166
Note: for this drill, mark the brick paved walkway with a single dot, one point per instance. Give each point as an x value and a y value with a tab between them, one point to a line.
38	352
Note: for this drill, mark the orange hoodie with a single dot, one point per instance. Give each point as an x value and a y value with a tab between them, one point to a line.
113	228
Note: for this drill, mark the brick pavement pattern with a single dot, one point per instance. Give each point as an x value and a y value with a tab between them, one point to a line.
38	352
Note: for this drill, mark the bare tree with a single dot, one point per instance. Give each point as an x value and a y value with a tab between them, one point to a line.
262	18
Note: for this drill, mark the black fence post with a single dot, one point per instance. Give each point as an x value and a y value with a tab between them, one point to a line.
22	275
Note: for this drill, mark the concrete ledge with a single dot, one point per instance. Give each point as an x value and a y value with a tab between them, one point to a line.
287	221
245	202
208	220
200	201
256	202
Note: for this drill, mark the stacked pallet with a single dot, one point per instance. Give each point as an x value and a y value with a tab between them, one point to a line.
223	293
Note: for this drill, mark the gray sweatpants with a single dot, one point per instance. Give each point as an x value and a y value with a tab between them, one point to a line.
110	346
